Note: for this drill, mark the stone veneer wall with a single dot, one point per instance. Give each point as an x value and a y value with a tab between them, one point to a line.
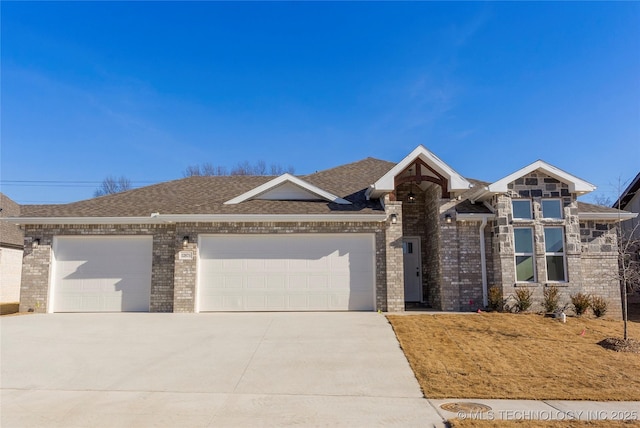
34	290
583	268
186	269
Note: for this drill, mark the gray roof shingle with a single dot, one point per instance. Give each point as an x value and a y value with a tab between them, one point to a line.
10	234
206	195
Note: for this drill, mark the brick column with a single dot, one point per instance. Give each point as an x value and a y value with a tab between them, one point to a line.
394	257
186	267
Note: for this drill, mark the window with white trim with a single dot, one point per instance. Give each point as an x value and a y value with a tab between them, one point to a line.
554	254
551	208
521	209
525	261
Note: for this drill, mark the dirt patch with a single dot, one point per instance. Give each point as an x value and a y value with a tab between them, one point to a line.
9	308
518	356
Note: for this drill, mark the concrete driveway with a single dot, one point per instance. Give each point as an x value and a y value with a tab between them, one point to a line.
200	370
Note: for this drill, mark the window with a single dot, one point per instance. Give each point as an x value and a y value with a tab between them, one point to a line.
525	266
551	208
521	208
554	253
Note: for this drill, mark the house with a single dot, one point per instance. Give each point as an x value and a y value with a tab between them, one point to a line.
369	235
629	200
11	249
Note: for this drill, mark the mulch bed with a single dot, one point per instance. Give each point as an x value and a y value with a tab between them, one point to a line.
621	345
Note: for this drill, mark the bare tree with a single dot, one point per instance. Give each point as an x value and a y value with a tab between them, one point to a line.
205	169
111	185
602	200
242	168
628	269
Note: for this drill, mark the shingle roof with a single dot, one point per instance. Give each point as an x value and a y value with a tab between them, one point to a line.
467	207
10	234
584	207
206	195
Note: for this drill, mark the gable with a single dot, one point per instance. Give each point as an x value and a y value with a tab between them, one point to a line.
287	188
574	184
287	191
428	167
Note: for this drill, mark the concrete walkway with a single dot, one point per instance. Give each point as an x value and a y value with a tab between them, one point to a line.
547	410
201	370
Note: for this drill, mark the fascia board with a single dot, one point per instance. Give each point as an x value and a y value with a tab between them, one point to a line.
576	185
283	179
202	218
87	220
386	183
626	215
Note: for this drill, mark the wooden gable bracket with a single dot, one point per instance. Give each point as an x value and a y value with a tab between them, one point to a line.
418	178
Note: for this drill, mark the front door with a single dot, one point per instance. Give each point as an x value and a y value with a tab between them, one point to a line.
412	269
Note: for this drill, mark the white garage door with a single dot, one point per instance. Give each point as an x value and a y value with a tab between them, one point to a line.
102	274
302	272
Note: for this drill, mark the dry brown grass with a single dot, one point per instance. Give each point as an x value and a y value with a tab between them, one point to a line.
469	423
517	356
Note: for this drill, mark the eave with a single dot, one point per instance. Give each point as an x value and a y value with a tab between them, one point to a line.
203	218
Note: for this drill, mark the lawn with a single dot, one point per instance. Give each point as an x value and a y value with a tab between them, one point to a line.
518	356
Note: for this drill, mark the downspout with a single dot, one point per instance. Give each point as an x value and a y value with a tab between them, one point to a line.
483	262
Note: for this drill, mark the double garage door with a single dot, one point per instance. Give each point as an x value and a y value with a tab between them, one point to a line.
236	273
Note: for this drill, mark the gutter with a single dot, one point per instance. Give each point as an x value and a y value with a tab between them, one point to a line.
156	218
619	216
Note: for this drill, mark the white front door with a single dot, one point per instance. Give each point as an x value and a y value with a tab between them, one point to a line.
412	269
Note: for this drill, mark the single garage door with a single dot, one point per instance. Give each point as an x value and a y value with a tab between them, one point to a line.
102	274
300	272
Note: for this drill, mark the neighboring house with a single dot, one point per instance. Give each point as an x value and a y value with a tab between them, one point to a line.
11	250
370	235
629	200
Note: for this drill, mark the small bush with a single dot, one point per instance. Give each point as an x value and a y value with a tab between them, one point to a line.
598	306
551	296
495	299
523	299
580	302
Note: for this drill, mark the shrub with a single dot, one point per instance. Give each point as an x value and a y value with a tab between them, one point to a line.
523	299
580	302
598	306
495	299
551	296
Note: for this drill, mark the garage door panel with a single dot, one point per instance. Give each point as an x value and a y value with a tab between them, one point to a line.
286	272
101	274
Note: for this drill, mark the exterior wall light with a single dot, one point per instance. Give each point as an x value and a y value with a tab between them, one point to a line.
394	218
448	218
185	241
411	198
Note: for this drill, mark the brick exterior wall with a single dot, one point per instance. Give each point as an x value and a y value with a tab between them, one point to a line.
34	289
470	266
394	263
173	278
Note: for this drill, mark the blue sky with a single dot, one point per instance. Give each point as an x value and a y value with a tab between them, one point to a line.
144	89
